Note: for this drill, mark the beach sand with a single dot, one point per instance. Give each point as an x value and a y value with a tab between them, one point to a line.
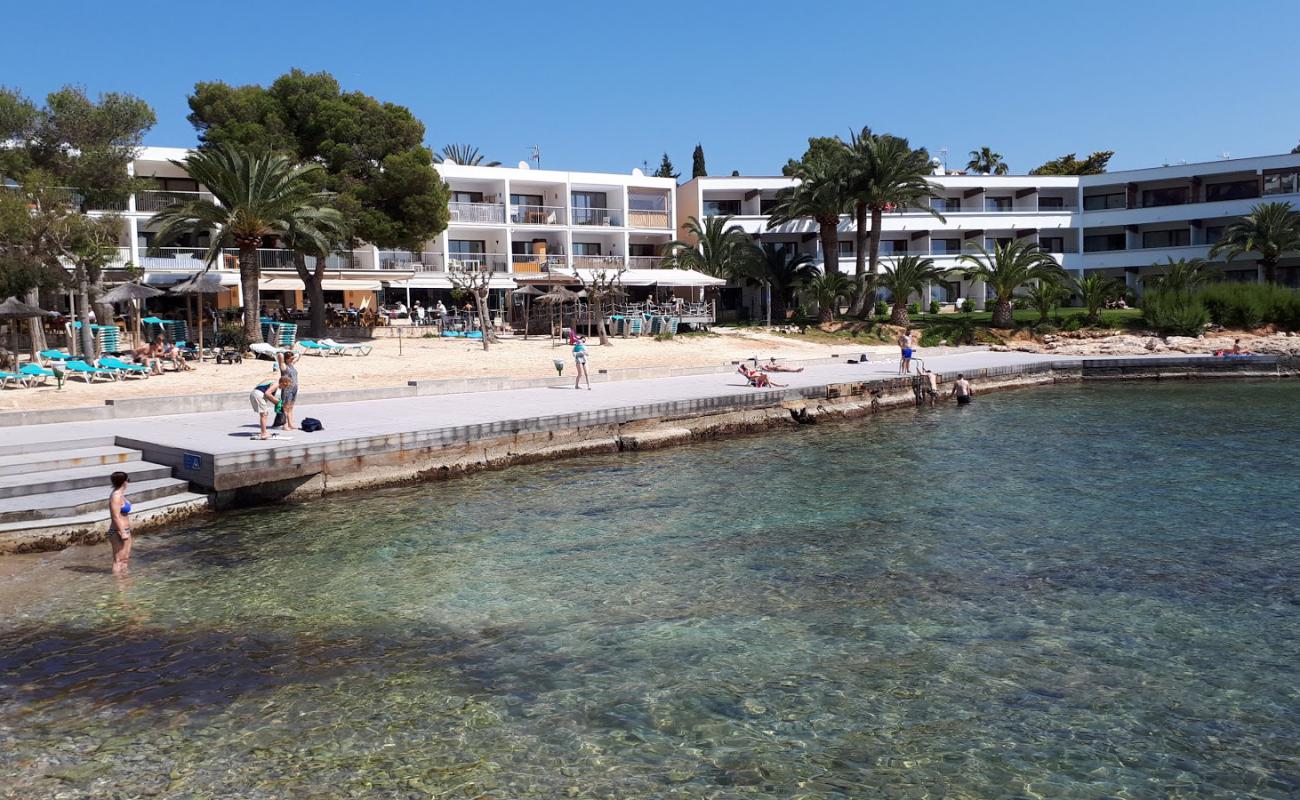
425	359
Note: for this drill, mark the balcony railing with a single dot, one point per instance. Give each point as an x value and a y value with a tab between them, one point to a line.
524	262
597	216
537	215
497	262
598	262
644	262
405	260
151	200
638	218
286	259
491	213
174	259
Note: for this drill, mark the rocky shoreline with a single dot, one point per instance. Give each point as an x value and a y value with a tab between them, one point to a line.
1107	343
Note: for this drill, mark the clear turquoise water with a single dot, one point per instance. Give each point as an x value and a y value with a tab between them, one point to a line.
1061	593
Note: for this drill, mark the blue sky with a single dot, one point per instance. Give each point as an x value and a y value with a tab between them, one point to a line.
608	85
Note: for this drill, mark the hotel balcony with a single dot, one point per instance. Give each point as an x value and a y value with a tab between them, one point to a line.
537	215
489	213
526	263
644	262
598	262
658	220
605	217
150	201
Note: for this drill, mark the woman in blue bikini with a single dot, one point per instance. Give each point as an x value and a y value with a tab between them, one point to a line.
119	527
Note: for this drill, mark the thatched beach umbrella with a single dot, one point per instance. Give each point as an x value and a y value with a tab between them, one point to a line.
199	285
526	292
131	292
12	310
557	296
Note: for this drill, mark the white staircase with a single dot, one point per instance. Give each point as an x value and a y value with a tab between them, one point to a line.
56	493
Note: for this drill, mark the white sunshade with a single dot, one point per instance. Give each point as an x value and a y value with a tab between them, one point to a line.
169	278
295	285
662	277
435	281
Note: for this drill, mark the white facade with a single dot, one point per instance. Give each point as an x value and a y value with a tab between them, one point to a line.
1121	223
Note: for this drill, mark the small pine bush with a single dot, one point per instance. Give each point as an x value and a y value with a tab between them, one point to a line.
934	306
914	308
968	306
882	308
1175	313
1250	305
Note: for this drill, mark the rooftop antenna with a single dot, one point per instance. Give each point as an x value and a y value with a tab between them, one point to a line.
1226	155
943	154
537	156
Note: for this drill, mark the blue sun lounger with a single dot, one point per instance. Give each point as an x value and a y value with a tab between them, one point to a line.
55	355
316	348
87	372
16	379
122	368
36	373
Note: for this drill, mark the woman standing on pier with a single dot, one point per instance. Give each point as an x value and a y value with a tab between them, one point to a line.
119	526
580	361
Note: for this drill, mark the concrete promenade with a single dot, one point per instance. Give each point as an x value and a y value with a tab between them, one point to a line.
228	433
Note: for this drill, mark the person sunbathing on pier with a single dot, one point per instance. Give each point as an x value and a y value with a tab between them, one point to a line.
772	366
759	380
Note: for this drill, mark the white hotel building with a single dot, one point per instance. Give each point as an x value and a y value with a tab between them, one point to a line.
1117	223
520	221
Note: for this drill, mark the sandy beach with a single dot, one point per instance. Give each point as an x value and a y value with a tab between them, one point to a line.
425	359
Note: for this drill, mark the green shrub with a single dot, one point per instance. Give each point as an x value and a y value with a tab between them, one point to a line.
1249	305
882	308
1175	313
914	308
934	306
231	335
1072	323
955	330
968	306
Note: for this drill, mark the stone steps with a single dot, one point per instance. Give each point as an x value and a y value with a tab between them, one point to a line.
73	502
51	460
92	477
50	446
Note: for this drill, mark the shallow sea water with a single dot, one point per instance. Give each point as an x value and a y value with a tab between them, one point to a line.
1060	593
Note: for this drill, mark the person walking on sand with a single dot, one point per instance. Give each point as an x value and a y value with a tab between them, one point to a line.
580	360
119	525
963	391
265	399
905	348
289	369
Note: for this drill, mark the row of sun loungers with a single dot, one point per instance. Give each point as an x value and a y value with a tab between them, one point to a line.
329	347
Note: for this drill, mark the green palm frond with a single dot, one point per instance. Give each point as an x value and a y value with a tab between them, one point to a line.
1270	230
720	249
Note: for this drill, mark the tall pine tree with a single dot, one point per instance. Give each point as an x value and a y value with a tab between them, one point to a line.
697	162
666	169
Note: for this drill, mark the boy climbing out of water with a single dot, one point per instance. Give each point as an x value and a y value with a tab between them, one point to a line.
265	399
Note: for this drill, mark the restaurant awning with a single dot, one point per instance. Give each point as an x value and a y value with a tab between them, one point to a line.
329	285
428	280
170	278
660	277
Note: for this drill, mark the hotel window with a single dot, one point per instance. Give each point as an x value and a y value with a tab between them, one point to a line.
721	208
466	197
525	199
1282	183
1236	190
1173	196
945	247
642	250
465	246
647	202
846	248
1103	242
588	208
1213	234
766	204
586	248
1177	238
992	242
946	205
1051	203
1101	202
893	247
997	204
1052	244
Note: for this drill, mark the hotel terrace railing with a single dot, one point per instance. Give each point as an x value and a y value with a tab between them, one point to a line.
491	213
151	200
407	261
175	259
638	218
285	259
537	215
598	262
497	262
967	209
644	262
597	216
530	263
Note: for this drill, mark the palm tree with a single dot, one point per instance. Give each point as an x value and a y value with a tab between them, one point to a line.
1096	290
883	173
827	289
1270	229
258	195
463	154
987	162
908	275
1009	267
720	249
781	270
1044	295
1183	275
820	194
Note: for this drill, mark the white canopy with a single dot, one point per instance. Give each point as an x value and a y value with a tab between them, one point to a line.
168	278
662	277
295	285
433	280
